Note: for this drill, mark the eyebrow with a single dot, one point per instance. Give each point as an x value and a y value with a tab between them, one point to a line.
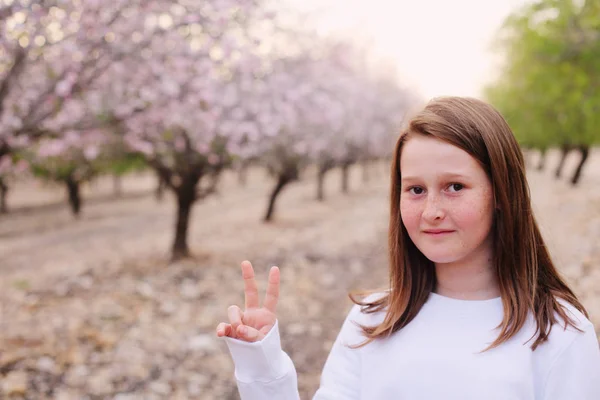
449	175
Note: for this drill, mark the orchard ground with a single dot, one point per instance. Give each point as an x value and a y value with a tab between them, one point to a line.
91	308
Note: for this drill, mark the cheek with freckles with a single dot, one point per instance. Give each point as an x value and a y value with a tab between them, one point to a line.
474	214
410	216
473	220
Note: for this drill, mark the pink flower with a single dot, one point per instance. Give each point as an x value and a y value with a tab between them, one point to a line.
63	88
91	152
21	166
213	159
5	164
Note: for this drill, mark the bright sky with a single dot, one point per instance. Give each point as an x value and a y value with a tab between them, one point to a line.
441	47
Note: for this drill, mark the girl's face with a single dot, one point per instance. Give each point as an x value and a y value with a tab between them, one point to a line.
446	202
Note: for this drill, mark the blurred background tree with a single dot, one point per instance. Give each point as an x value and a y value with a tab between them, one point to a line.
549	88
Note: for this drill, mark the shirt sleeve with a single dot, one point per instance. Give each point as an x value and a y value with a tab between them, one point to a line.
264	371
575	374
341	376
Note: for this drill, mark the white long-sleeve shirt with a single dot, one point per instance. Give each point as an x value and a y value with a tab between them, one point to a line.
436	356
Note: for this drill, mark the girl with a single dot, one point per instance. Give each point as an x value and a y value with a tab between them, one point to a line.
475	308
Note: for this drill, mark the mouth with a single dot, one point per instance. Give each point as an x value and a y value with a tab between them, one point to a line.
437	232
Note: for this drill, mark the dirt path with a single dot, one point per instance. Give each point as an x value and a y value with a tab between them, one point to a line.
52	243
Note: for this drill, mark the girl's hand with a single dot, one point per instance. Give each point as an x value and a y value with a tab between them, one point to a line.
252	324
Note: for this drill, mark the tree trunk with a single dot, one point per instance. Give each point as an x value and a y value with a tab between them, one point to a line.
288	176
365	171
117	185
320	184
585	152
242	171
542	160
159	193
564	151
324	167
281	182
3	193
186	196
345	177
529	156
73	192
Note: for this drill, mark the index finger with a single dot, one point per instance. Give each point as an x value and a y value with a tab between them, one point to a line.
272	290
250	287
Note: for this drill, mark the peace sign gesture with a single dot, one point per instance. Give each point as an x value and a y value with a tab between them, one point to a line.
252	324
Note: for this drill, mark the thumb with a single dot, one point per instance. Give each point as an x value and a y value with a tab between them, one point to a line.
249	334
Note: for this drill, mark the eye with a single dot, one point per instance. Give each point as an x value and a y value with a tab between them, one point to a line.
415	190
455	187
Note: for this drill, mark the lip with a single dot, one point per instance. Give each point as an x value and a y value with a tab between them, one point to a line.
437	231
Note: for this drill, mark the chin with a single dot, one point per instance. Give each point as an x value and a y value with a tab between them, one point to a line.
441	257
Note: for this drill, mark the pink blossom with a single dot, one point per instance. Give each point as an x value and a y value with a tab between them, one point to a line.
5	164
51	148
63	88
21	166
91	152
213	159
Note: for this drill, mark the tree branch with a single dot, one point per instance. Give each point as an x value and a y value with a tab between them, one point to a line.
214	176
13	73
165	173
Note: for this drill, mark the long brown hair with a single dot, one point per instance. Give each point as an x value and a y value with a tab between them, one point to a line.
528	279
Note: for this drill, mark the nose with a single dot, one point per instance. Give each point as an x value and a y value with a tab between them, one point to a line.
434	209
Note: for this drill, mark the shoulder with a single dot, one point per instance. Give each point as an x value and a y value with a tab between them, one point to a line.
360	314
565	338
569	362
574	313
562	331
